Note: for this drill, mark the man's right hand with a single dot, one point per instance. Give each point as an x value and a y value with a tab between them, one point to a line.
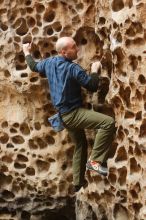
26	48
96	66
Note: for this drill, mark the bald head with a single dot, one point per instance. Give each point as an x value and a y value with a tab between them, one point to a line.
66	47
62	43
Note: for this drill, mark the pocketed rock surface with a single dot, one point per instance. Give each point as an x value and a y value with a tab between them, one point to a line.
35	165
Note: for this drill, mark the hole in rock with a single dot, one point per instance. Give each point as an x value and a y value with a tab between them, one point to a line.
25	215
39	24
138	115
47	55
121	154
42	144
29	10
125	95
119	37
53	4
103	89
137	207
64	142
129	3
122	176
22	158
80	6
118	52
130	32
83	41
58	216
34	79
4	138
32	145
134	194
7	195
135	28
24	129
20	67
7	73
53	52
17	39
7	159
18	139
23	29
19	165
22	201
102	20
50	31
123	196
13	130
133	62
30	21
28	2
35	30
143	129
30	171
115	25
51	160
64	166
61	185
137	150
27	39
145	106
112	178
24	75
9	145
134	167
3	168
49	16
42	165
50	140
5	180
129	114
138	95
139	41
120	212
20	58
117	5
57	26
4	124
37	54
142	79
40	8
37	125
16	125
45	183
4	27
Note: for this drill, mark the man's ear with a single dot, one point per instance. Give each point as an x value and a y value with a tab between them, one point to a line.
63	52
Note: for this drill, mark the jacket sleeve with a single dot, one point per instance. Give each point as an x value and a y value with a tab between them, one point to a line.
31	63
93	83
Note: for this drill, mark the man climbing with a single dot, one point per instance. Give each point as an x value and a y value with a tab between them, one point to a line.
65	80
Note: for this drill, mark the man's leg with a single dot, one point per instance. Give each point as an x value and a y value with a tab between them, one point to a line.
79	156
80	119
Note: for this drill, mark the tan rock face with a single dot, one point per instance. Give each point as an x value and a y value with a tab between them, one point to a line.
36	173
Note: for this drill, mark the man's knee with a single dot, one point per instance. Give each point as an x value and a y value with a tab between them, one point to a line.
110	123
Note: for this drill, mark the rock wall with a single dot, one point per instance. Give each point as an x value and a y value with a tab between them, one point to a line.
35	166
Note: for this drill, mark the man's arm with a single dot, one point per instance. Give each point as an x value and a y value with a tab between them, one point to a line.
30	61
94	82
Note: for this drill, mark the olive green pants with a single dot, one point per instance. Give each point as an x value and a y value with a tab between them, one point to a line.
78	120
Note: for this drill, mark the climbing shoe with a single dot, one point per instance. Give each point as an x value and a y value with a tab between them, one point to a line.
97	167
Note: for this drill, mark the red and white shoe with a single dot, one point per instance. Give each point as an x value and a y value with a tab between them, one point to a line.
97	167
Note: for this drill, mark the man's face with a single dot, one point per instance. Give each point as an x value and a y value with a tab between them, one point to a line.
71	50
